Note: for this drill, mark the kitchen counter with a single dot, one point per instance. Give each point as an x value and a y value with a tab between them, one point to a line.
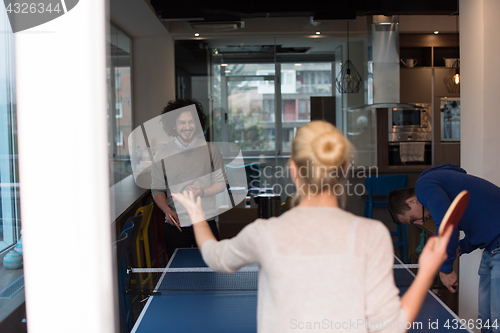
126	196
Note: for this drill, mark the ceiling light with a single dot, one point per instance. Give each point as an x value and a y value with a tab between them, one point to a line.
228	71
318	33
298	64
223	65
436	32
196	34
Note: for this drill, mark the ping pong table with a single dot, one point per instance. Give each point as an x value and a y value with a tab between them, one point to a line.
229	309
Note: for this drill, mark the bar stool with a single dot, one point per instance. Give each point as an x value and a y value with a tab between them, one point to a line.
142	241
136	220
378	189
158	221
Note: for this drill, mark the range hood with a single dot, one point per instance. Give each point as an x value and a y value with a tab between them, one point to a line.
385	59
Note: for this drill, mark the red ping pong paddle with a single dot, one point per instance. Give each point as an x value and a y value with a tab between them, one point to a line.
175	222
454	213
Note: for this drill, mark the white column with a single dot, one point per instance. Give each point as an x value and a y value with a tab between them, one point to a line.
480	118
62	129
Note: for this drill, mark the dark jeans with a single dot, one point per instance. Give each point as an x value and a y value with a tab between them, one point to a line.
175	239
489	290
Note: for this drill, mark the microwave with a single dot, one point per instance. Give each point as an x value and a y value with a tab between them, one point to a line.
412	123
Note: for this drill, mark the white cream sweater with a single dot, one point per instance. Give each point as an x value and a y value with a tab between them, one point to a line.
321	269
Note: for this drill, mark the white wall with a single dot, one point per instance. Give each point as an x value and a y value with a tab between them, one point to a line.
153	57
480	101
154	76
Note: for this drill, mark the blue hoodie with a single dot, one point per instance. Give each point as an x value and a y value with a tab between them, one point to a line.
437	187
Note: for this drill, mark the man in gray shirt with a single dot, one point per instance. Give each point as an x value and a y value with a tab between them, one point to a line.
187	163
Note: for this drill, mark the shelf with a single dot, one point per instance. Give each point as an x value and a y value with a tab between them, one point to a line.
444	52
423	55
428	49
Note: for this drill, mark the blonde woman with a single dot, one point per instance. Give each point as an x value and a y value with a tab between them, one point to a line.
319	263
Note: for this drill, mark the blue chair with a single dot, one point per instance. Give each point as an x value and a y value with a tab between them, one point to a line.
121	248
402	241
378	189
127	237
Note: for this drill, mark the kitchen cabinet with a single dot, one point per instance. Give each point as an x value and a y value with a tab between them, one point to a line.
415	85
424	83
444	152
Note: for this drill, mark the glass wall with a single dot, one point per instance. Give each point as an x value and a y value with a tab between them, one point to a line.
361	130
9	181
119	81
257	93
246	94
10	219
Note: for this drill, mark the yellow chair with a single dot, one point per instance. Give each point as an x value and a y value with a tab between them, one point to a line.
143	241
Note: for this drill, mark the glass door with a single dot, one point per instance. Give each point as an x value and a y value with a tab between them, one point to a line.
246	115
300	81
250	115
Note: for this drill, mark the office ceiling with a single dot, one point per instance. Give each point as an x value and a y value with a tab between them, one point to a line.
219	11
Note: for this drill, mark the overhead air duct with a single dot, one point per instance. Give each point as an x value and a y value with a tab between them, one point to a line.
217	26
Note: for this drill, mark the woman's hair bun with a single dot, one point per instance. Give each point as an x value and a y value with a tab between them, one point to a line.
330	149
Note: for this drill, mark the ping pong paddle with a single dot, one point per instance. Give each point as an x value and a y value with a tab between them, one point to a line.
175	222
454	213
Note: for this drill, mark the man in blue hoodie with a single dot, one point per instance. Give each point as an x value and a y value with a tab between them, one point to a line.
434	191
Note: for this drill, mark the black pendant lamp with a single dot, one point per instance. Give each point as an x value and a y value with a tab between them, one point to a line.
348	81
452	80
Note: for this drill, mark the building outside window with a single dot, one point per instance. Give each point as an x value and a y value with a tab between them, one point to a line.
120	97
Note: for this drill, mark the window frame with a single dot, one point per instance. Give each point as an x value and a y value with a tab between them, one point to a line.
277	76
